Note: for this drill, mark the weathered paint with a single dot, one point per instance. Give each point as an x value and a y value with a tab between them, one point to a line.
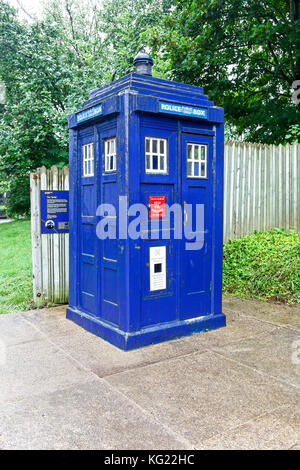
109	279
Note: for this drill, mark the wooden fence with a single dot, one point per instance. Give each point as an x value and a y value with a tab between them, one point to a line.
261	188
50	252
261	191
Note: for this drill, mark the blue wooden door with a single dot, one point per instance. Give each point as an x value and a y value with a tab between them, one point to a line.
87	225
196	152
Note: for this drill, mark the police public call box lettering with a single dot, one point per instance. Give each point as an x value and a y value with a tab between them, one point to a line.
146	203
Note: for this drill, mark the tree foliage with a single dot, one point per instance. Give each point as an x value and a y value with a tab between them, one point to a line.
124	23
32	121
246	54
49	66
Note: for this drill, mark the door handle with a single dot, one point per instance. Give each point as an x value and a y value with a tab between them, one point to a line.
185	217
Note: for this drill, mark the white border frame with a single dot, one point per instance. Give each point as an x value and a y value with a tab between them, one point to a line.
88	156
193	160
159	155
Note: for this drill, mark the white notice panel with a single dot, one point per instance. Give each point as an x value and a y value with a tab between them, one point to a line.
158	268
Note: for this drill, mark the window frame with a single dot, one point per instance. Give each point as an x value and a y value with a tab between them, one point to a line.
194	160
88	156
158	153
109	155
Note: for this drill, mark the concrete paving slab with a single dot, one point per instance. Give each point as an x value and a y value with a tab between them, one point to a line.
15	330
88	348
31	368
84	416
51	322
278	314
276	430
105	359
238	328
234	387
271	353
202	394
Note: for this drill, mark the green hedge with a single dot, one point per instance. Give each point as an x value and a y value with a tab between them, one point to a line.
265	265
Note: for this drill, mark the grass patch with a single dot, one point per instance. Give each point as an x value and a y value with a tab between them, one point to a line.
265	265
15	266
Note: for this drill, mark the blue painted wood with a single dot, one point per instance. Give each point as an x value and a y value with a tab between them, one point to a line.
73	214
196	264
109	279
150	335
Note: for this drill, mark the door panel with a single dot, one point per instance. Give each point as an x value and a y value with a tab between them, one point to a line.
157	282
159	253
87	239
196	243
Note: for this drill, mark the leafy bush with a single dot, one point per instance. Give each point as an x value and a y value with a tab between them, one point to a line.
265	265
18	198
3	210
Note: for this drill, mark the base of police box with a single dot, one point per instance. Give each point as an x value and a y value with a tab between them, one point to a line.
145	336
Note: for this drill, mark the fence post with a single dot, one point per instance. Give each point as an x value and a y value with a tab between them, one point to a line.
35	187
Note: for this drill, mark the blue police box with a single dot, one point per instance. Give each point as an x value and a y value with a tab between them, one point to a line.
144	140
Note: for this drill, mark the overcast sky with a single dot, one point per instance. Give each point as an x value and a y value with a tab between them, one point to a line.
32	7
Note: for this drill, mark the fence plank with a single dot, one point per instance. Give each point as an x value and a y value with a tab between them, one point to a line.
36	235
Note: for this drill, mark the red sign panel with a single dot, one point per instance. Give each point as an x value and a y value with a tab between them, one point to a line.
157	207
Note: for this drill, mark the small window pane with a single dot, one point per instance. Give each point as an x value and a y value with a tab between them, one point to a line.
147	162
190	152
196	153
202	152
196	169
189	169
147	145
162	146
155	162
161	162
154	146
203	169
